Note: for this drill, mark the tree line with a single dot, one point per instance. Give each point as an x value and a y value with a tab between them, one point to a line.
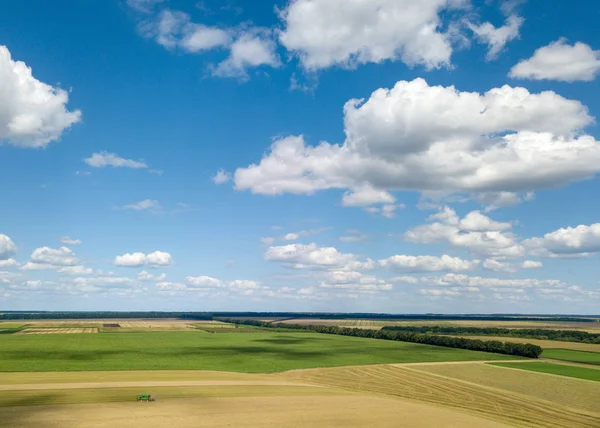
520	349
527	333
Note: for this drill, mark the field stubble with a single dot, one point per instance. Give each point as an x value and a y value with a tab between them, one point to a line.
420	384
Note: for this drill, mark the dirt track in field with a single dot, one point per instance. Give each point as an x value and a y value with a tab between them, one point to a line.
96	385
245	412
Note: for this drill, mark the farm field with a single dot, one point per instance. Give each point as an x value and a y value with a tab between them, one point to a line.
64	330
559	390
546	344
417	383
198	350
273	379
338	409
557	369
573	356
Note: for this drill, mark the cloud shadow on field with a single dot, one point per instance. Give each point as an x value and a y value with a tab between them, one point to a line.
286	340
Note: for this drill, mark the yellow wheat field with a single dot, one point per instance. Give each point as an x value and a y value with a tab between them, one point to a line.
65	330
562	390
411	384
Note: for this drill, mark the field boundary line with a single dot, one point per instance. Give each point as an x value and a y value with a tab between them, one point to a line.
95	385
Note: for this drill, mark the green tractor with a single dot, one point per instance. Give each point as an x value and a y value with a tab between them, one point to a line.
145	397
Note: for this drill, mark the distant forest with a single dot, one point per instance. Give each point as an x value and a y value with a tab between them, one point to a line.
37	315
528	333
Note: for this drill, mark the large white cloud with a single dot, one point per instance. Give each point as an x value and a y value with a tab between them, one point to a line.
433	138
63	256
32	113
560	61
324	33
428	263
155	259
567	241
7	247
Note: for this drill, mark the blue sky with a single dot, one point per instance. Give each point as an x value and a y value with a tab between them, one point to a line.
384	156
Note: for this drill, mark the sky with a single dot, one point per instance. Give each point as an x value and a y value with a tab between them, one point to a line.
393	156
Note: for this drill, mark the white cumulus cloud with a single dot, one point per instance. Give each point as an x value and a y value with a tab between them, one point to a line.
567	241
32	113
155	259
309	256
475	232
7	247
8	263
63	256
323	33
433	138
428	263
560	61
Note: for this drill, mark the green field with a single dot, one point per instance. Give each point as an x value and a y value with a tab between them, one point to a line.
557	369
197	350
573	356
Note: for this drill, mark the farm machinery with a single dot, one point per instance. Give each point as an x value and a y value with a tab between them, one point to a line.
145	397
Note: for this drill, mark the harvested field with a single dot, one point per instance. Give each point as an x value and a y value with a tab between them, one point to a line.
245	412
563	391
545	344
128	323
416	384
67	330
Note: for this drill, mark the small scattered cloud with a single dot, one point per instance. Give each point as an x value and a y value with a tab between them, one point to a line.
69	241
155	259
104	159
560	61
145	205
144	6
353	235
221	177
497	37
